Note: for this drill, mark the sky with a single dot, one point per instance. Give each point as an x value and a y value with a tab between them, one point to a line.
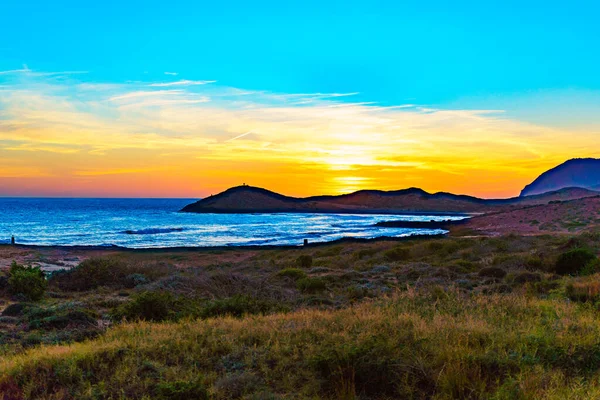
188	98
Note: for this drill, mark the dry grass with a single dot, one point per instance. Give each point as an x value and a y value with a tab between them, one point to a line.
427	324
410	346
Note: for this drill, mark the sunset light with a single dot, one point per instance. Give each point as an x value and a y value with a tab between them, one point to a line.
62	133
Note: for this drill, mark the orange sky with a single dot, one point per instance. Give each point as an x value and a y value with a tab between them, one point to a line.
62	137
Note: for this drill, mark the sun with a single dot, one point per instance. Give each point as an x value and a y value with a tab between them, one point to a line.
349	184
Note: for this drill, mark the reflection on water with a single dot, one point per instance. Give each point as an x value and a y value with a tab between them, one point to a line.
145	223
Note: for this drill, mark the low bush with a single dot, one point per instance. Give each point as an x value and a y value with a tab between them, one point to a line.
367	367
91	274
534	262
3	281
149	306
525	277
134	280
238	306
573	261
108	271
182	390
583	290
397	254
293	273
15	310
60	317
464	266
363	253
492	272
29	282
304	261
591	268
236	385
311	285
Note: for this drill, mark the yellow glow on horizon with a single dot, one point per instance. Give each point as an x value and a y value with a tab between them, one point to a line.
74	139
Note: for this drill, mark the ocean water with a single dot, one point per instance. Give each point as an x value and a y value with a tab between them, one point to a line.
154	223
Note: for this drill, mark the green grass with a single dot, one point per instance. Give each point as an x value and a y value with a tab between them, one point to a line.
408	346
452	318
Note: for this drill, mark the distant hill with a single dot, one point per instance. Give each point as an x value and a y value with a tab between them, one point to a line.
578	172
249	199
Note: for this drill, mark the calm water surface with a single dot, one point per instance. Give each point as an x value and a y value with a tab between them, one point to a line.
146	223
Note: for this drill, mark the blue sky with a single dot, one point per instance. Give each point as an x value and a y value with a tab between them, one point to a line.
391	52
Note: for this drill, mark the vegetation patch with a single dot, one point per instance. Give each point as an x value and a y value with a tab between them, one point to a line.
27	282
239	306
293	273
108	271
397	254
574	261
492	272
182	390
304	261
311	285
148	306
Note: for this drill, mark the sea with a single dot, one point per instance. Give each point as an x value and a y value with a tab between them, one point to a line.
157	223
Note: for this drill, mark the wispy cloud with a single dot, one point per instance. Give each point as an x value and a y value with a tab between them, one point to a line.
188	137
240	136
26	71
146	93
171	73
183	82
13	71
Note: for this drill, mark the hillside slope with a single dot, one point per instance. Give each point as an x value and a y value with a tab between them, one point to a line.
556	217
578	172
249	199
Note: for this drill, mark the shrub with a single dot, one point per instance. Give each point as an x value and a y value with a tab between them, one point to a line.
524	277
591	268
397	254
380	269
60	317
534	262
150	306
108	271
311	285
304	261
136	279
492	272
238	306
237	384
464	266
182	390
294	273
29	282
92	273
15	310
583	291
365	253
367	367
573	261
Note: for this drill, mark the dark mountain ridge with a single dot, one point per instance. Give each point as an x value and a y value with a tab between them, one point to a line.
249	199
577	172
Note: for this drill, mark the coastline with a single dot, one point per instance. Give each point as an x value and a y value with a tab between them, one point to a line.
218	248
369	211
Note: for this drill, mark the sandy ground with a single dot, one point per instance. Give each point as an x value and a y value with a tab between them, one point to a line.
58	258
48	258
